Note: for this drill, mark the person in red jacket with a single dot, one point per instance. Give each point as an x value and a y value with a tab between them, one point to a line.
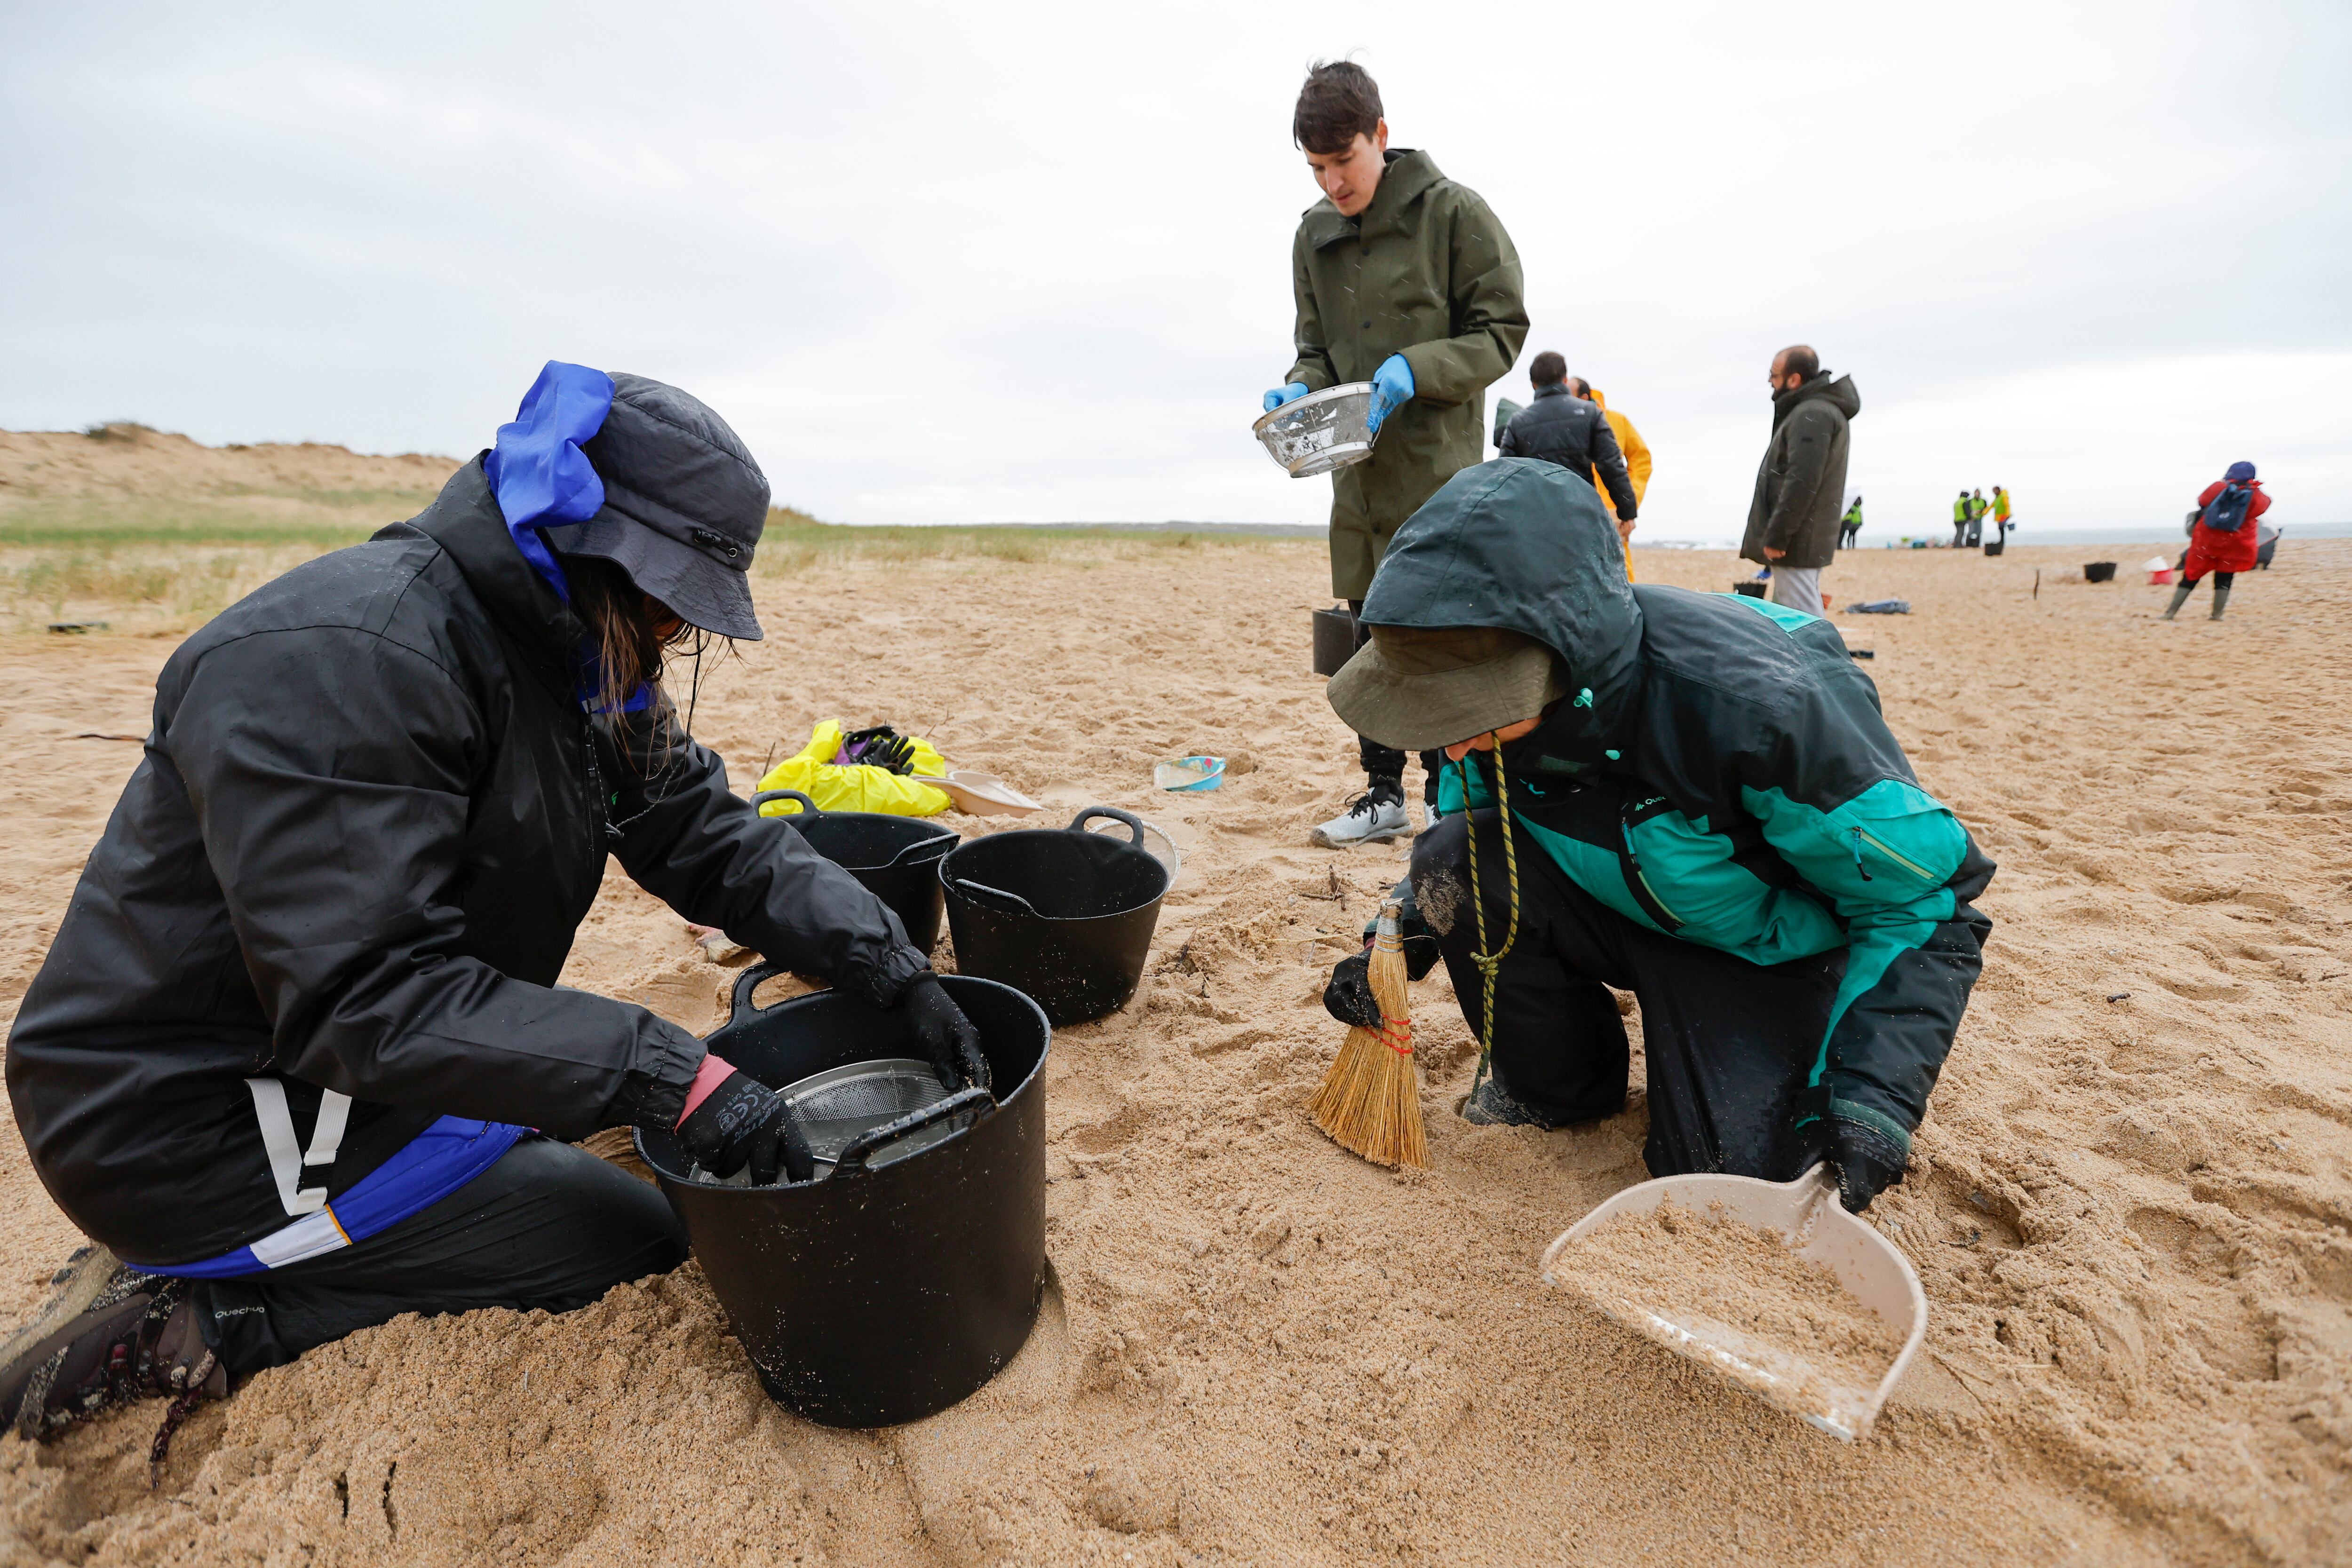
2224	552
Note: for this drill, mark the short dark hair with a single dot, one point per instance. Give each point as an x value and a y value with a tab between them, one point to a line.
1578	387
1799	359
1340	103
1547	369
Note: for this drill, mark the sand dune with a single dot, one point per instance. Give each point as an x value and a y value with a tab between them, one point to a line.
2130	1209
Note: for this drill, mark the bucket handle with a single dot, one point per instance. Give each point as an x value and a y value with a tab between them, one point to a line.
739	1006
1020	905
854	1154
808	807
946	838
1134	822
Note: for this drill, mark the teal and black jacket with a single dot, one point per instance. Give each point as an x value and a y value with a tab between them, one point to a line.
1721	773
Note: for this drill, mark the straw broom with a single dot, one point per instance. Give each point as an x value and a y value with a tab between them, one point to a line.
1369	1103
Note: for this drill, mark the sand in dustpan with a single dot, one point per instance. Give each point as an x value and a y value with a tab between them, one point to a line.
1704	1271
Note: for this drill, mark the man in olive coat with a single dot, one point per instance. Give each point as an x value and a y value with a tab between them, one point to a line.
1793	523
1404	279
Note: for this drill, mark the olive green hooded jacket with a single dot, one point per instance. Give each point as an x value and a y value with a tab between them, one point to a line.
1426	272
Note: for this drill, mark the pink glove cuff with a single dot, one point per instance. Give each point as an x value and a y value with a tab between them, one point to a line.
712	1073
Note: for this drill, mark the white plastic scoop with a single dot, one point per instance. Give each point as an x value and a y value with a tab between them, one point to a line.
1807	1213
981	794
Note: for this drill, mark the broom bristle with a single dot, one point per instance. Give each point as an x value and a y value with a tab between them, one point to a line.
1369	1103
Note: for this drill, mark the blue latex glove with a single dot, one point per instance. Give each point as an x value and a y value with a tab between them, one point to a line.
1391	390
1280	395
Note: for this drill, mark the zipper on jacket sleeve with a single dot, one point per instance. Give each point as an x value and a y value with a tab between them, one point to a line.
1637	881
1905	861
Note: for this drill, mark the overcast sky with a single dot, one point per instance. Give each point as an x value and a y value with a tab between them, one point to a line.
1005	263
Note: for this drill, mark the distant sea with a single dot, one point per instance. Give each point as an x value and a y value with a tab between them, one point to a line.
1872	538
2160	537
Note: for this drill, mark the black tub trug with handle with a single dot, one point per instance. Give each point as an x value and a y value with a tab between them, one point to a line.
902	1282
1060	914
895	858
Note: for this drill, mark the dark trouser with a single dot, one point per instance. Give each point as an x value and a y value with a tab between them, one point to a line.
1729	1043
548	1227
1847	536
1385	762
2221	579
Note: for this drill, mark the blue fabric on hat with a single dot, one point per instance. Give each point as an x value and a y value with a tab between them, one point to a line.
2239	471
535	468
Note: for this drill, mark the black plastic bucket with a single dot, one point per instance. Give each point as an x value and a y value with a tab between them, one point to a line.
895	857
1335	639
2098	572
894	1287
1060	914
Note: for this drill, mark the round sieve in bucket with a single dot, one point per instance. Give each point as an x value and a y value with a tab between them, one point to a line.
840	1104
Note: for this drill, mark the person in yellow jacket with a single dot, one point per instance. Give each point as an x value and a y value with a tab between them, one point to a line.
1637	460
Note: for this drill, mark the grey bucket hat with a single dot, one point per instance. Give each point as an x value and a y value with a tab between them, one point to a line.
684	505
1418	688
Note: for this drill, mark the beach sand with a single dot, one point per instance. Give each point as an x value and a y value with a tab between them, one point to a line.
2130	1205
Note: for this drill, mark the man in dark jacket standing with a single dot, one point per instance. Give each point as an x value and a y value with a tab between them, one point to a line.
1404	279
292	1050
1793	523
1563	428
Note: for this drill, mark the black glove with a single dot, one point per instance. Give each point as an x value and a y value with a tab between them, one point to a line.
745	1122
1349	996
1420	942
881	747
1868	1161
948	1036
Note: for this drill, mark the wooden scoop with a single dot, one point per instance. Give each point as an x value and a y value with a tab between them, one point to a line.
1817	1227
981	794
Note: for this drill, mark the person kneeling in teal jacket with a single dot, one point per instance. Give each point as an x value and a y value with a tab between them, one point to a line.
1706	809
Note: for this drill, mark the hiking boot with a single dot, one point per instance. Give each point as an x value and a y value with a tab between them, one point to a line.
108	1335
1495	1106
1374	817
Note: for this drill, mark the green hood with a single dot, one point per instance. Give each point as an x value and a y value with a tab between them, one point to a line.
1524	545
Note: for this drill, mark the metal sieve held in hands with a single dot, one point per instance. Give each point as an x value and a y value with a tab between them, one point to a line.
1320	432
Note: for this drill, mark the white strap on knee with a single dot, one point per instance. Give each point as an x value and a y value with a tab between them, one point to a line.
287	1157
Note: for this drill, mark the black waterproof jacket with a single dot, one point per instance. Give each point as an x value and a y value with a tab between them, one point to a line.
371	816
1800	484
1720	773
1562	428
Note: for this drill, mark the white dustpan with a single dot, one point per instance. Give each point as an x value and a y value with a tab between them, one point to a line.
1818	1227
981	794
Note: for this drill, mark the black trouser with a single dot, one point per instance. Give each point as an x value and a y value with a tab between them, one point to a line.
2221	579
1729	1043
1385	762
548	1227
1847	537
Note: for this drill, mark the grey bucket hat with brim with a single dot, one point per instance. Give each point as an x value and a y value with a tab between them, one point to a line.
684	505
1416	688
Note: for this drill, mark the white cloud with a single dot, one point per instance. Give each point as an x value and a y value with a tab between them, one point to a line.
946	263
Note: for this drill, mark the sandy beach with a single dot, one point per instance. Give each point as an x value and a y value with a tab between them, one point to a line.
2131	1205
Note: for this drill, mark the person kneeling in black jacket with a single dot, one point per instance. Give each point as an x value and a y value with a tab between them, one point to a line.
298	1060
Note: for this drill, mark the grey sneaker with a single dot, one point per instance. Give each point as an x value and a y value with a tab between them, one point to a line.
1374	817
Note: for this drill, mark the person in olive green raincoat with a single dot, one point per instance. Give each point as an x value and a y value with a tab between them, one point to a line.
1405	279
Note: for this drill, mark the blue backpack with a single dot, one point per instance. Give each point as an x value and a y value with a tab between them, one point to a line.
2226	513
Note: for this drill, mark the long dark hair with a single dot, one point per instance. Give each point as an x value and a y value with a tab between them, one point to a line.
630	636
